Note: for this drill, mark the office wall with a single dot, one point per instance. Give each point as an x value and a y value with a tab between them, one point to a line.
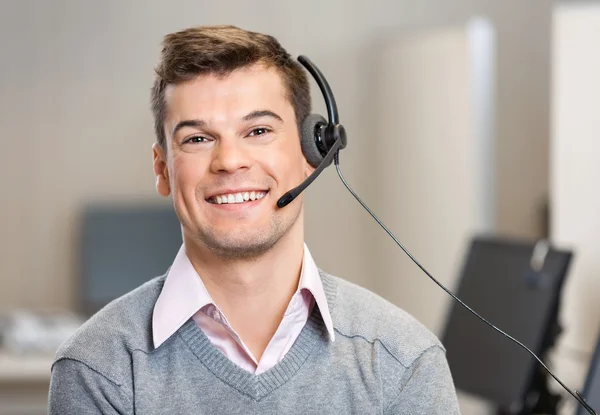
575	175
439	74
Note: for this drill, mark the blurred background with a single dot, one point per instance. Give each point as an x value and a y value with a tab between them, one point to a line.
465	118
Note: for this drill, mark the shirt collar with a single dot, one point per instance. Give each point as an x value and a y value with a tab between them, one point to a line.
310	279
184	293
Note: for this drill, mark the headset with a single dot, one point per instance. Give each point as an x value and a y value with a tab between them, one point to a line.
321	141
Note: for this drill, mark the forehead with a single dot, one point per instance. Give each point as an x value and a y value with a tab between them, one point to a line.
214	97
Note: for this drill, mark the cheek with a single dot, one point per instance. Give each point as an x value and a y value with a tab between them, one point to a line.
287	166
187	173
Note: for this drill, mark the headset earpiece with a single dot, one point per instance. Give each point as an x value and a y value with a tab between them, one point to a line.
311	140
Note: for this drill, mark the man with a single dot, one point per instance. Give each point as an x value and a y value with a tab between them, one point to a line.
243	321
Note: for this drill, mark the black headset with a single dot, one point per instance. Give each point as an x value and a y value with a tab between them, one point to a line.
320	139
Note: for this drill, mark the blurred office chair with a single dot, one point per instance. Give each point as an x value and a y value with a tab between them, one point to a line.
516	286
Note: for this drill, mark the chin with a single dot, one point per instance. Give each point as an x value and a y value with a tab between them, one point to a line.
241	249
240	243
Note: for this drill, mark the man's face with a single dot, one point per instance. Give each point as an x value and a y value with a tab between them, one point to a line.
232	151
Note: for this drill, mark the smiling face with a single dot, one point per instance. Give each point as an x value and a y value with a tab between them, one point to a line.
232	151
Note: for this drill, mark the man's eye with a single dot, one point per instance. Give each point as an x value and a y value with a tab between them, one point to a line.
259	131
196	139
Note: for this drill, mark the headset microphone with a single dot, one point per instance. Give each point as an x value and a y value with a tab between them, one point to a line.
321	141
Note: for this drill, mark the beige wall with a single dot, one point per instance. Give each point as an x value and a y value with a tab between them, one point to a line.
574	179
432	193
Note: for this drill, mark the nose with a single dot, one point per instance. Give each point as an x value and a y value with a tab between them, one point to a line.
229	155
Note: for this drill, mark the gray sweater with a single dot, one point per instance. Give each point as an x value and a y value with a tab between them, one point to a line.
382	362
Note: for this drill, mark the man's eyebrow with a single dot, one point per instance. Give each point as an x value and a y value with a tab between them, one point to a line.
197	123
261	113
188	123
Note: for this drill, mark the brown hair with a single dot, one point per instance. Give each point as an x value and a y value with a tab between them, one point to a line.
220	50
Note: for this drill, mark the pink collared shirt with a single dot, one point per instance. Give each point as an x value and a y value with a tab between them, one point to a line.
184	295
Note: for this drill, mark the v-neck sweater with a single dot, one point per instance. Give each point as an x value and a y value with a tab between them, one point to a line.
382	361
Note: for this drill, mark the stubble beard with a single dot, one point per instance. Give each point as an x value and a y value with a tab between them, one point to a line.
247	244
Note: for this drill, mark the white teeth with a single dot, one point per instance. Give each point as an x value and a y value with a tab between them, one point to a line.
239	197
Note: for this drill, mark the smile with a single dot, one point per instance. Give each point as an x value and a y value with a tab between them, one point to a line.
238	197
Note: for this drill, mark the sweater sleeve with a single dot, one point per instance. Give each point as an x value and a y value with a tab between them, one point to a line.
75	388
426	387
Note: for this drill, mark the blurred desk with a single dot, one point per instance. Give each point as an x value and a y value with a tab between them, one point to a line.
24	382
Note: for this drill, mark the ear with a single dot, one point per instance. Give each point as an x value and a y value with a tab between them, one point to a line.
161	171
308	168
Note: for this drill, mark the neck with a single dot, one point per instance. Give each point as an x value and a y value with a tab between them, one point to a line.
253	293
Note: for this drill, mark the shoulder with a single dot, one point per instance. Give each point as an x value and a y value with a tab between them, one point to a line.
105	342
360	313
